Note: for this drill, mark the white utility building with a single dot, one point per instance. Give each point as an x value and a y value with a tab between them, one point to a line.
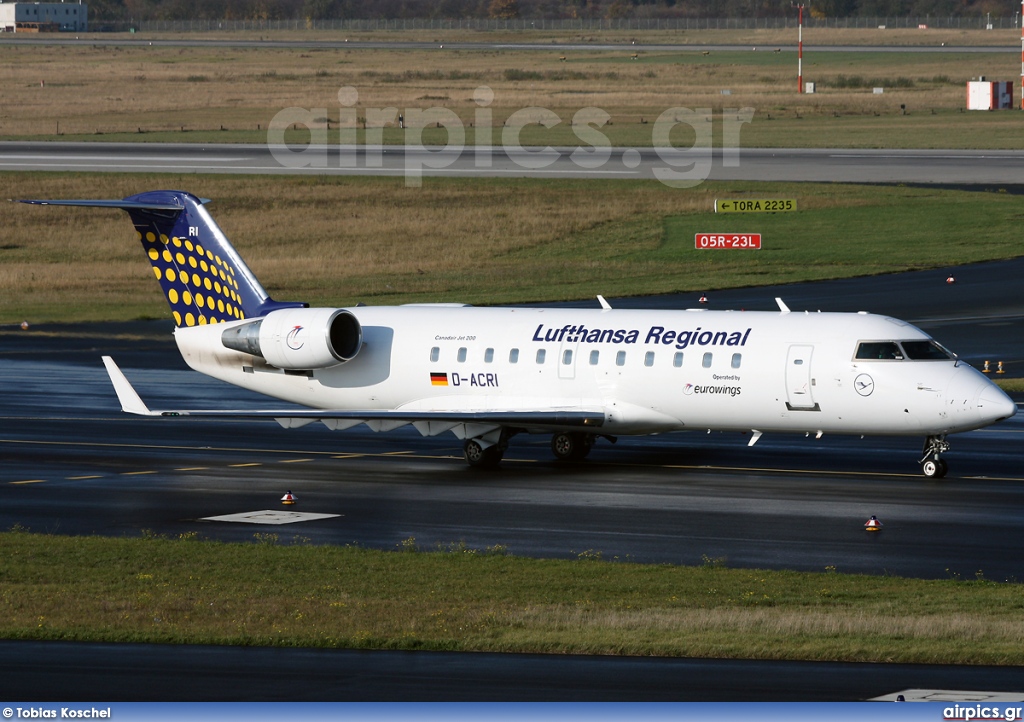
989	95
22	17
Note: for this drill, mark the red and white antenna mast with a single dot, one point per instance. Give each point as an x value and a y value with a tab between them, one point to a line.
800	50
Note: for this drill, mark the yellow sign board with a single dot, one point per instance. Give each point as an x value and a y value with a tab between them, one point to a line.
755	205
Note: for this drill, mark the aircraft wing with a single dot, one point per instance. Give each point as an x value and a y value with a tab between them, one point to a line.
377	419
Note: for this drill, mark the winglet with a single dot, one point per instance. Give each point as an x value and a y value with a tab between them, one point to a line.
604	304
131	402
782	305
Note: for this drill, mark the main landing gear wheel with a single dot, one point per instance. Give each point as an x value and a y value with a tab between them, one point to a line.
482	458
935	468
571	445
932	465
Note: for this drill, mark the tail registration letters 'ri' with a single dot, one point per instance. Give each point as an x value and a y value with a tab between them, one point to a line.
580	375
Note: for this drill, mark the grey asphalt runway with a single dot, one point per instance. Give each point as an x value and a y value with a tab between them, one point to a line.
788	502
71	463
61	671
992	167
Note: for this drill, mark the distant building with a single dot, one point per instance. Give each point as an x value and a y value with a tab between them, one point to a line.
22	17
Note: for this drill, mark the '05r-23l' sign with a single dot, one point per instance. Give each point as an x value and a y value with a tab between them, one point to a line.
727	240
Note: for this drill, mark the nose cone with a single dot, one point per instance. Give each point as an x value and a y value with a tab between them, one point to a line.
994	405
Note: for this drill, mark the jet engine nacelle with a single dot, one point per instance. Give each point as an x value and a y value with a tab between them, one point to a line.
299	339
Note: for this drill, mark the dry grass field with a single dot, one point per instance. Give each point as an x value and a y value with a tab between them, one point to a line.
337	241
539	35
322	240
211	94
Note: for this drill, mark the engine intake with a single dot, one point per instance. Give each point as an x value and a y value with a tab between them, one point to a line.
299	339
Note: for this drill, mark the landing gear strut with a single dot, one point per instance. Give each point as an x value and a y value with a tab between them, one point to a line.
571	445
482	453
932	465
480	457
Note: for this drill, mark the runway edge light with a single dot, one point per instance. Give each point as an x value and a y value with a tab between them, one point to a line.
289	498
873	524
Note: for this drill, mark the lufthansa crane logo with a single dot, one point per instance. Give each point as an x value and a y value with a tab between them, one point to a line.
864	385
292	339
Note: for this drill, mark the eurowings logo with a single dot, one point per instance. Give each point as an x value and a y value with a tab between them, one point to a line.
292	339
733	391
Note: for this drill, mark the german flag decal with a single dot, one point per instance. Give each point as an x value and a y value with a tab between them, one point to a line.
438	379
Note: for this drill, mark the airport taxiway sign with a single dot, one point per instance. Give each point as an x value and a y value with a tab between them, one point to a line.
702	241
755	205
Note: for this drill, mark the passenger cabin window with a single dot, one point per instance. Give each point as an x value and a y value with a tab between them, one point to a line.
737	359
567	357
594	356
649	358
435	353
462	355
489	356
620	358
706	363
541	353
513	356
677	360
879	351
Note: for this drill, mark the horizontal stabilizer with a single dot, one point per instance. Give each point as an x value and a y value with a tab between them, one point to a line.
132	403
122	204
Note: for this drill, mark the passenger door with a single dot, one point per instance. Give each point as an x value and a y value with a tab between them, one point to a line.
799	382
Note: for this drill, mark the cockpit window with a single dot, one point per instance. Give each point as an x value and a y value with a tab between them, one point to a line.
879	351
916	350
925	351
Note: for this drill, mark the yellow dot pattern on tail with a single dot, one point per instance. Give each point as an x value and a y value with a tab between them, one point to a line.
200	286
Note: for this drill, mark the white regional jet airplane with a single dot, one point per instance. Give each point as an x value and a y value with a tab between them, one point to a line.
487	374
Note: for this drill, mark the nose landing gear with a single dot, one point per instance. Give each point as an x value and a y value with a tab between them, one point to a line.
932	465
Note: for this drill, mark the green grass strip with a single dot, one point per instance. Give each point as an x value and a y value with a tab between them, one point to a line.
187	590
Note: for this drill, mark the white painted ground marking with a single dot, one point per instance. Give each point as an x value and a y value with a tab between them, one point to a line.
270	516
951	695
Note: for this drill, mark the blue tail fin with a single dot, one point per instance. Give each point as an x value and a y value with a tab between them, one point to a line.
202	276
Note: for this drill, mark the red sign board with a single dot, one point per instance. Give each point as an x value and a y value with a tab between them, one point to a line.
727	240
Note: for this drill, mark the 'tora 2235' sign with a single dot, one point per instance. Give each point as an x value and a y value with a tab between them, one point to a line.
756	205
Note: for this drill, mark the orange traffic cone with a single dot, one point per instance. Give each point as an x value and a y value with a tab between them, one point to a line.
873	524
288	498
